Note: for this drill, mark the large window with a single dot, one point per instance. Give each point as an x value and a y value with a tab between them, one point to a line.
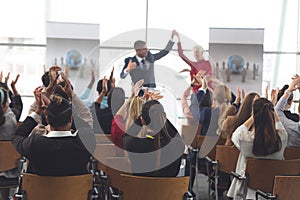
23	33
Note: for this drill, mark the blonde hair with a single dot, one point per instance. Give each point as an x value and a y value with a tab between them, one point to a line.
222	96
134	110
198	47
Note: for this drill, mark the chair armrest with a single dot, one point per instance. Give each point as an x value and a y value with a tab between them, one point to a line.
113	195
264	195
238	176
209	160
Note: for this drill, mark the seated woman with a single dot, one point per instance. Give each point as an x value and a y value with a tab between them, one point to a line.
159	151
9	116
261	136
58	152
126	116
292	116
232	122
284	103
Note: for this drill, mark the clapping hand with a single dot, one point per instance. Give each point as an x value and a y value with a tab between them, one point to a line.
151	95
185	70
67	88
13	85
137	87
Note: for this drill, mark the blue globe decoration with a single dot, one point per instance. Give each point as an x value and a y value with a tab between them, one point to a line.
236	63
73	59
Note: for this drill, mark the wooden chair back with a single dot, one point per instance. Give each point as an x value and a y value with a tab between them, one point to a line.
227	157
103	139
262	172
8	156
208	144
189	134
292	153
114	167
287	187
102	151
58	188
153	188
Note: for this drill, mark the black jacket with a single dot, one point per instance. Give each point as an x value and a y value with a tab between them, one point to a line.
54	156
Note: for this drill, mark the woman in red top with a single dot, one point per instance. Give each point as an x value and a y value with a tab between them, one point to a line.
196	66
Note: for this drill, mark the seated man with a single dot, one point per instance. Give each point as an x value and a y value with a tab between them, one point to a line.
58	152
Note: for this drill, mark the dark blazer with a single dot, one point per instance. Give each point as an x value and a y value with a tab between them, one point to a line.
54	156
102	119
143	157
146	73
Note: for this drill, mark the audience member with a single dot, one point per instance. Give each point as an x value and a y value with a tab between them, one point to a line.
116	98
59	151
261	136
159	152
84	96
244	112
126	115
292	127
16	104
287	112
9	117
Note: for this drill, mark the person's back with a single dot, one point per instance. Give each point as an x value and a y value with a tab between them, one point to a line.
159	152
283	104
9	125
104	116
261	136
58	152
57	156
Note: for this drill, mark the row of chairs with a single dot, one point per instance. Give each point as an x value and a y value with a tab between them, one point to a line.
121	184
121	180
224	159
91	186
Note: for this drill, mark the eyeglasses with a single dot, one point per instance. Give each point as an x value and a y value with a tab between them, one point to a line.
143	49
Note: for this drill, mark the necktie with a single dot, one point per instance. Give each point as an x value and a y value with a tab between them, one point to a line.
143	64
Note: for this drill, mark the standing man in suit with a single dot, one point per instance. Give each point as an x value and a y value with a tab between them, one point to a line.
141	66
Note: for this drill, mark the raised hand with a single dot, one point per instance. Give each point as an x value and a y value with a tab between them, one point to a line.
131	65
13	85
7	78
67	89
267	92
187	113
151	95
137	87
199	79
185	70
53	76
243	94
104	85
295	84
274	94
238	96
1	76
44	69
37	94
155	96
112	79
174	32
